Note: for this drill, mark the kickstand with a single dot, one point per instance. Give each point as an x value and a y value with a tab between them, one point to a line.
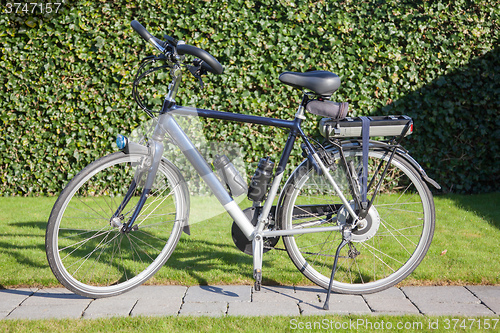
346	238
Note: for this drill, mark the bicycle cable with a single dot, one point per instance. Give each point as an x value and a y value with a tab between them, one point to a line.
143	73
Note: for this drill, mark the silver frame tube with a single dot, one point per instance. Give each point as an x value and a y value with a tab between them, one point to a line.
168	123
275	233
346	203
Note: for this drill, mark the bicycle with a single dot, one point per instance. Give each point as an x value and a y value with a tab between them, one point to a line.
118	221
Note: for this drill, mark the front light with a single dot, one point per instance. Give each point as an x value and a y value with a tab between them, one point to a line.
121	141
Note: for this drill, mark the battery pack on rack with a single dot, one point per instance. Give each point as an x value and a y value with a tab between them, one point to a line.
379	126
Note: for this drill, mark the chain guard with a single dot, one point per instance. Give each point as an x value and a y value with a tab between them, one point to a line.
242	242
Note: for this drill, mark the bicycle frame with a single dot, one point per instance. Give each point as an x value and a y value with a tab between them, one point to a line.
168	125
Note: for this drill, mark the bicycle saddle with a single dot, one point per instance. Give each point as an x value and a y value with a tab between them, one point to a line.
323	83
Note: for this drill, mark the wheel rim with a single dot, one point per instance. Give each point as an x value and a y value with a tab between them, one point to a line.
371	263
92	255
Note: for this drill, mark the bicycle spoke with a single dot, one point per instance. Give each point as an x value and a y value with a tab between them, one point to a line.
396	238
96	213
376	258
94	255
399	232
81	243
92	268
147	244
375	250
155	208
76	235
86	257
152	225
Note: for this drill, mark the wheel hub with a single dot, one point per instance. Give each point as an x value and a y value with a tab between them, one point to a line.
366	228
116	222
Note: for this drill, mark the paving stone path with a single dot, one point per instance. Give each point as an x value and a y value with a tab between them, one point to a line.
33	303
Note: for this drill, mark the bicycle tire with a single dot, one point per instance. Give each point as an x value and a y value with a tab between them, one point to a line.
89	254
393	241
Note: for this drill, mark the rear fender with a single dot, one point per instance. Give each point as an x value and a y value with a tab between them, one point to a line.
351	144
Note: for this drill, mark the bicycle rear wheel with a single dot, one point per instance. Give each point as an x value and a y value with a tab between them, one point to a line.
85	247
387	246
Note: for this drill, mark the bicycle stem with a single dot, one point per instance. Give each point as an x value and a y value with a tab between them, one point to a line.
176	73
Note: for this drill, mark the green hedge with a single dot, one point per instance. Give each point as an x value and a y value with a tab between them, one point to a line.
67	78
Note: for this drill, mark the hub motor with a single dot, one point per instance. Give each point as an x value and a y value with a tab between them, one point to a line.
366	228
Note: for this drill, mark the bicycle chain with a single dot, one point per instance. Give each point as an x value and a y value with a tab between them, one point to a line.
351	254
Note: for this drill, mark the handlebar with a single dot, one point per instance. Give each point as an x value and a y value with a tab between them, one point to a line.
139	28
209	62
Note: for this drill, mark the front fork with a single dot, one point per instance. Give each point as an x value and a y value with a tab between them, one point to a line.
156	156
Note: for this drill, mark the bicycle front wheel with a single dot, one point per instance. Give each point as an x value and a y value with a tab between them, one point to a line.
86	249
385	248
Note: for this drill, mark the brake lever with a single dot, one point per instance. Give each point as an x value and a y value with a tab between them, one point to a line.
197	71
172	41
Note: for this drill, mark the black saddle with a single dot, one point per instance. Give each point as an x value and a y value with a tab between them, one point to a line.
323	83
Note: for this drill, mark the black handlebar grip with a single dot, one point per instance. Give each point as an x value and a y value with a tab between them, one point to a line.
207	67
141	30
210	63
213	65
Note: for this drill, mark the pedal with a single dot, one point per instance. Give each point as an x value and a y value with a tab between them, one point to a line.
258	249
257	274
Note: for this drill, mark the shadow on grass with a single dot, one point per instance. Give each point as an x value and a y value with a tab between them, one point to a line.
198	257
16	252
486	205
42	225
22	253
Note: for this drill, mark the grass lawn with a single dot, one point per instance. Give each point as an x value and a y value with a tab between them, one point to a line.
259	324
465	249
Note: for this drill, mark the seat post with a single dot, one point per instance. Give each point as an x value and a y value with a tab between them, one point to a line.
300	110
